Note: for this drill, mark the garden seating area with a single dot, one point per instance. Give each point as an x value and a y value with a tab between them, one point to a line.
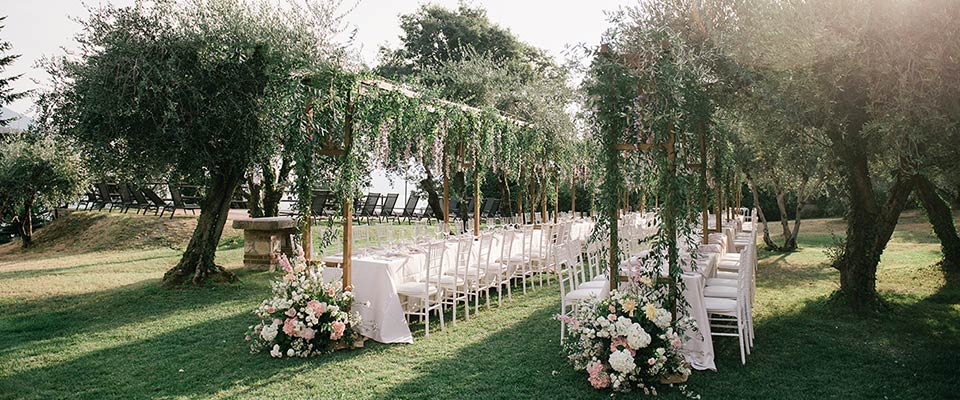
471	215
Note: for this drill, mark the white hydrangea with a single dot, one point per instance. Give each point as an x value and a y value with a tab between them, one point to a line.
663	318
622	361
638	338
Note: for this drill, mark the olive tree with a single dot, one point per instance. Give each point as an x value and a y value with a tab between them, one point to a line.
36	174
190	89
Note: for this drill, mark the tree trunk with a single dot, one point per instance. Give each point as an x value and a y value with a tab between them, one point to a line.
941	217
26	223
790	244
433	199
763	219
254	207
197	264
784	218
273	187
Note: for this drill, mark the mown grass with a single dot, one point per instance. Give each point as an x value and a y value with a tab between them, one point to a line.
94	324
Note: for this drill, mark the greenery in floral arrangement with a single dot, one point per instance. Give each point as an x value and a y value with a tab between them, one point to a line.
627	341
305	316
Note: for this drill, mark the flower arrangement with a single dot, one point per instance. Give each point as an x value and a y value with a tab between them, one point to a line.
626	341
305	316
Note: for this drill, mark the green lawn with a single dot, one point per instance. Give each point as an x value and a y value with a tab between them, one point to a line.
91	322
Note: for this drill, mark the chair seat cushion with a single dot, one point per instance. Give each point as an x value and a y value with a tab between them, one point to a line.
726	292
449	281
719	305
727	275
600	278
583	294
594	285
721	282
416	288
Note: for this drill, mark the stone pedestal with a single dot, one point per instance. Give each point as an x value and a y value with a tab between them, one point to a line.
263	238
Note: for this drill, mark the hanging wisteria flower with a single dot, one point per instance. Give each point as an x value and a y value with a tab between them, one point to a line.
304	316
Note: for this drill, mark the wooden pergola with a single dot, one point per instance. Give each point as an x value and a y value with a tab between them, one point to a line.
344	151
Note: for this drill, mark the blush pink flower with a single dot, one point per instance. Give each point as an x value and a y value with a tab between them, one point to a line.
612	317
676	343
651	361
292	312
271	310
598	379
290	327
338	328
285	264
621	343
308	334
317	307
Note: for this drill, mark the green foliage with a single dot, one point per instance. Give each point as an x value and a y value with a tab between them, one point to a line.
7	95
39	173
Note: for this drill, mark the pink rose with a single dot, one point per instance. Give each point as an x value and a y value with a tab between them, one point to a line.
338	328
271	310
290	328
612	317
331	292
308	334
247	338
651	361
292	312
676	343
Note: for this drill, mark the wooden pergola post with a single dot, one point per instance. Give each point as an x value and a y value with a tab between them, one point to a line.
703	184
347	264
573	197
476	200
670	225
306	239
446	194
556	200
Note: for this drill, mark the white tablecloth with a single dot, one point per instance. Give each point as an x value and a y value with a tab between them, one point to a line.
698	348
376	274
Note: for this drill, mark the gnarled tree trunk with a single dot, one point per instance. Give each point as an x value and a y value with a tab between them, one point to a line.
197	264
26	223
941	217
763	219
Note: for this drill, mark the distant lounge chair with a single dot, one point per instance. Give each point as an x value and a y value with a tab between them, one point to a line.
490	208
410	209
89	199
389	203
128	200
143	203
159	204
369	206
106	197
183	202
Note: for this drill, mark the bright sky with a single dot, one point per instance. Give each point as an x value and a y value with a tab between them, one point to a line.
40	28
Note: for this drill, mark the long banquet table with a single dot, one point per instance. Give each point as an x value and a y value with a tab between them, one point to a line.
377	272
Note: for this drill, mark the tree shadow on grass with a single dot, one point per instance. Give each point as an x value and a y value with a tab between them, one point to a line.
198	360
28	273
25	322
825	351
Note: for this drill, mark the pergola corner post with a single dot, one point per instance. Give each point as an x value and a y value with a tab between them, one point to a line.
347	264
703	183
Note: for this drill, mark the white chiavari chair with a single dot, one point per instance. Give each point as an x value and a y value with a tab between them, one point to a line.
426	295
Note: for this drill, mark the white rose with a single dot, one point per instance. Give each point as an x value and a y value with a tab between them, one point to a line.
276	351
269	332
